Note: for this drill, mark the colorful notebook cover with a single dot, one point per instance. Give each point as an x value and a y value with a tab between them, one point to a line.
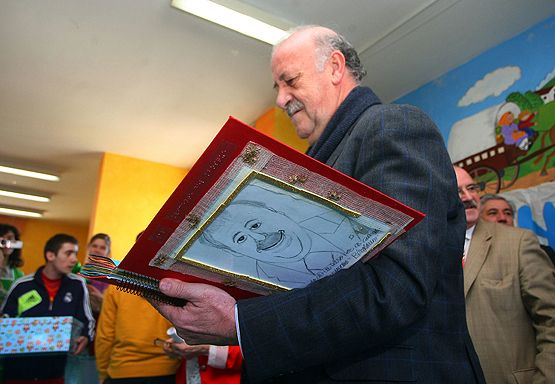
254	216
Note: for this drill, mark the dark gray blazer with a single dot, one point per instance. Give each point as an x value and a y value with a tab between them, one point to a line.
399	317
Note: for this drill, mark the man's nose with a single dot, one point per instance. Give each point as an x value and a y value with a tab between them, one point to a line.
465	195
283	98
258	236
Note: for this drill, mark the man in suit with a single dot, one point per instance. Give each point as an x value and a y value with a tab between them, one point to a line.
509	285
398	317
497	209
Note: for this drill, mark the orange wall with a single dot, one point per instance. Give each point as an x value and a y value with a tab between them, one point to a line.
34	234
129	194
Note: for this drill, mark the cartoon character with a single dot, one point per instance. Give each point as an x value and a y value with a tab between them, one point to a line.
525	123
511	134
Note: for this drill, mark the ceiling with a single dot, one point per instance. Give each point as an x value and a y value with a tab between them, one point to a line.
142	79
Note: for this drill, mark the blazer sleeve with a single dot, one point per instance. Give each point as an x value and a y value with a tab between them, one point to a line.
537	285
398	151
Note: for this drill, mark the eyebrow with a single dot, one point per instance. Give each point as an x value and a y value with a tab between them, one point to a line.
283	77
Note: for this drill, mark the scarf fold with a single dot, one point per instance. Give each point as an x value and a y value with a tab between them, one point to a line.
360	99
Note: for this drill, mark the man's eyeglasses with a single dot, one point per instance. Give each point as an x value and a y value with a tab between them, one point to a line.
470	188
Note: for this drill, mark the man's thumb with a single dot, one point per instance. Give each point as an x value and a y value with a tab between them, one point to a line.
174	288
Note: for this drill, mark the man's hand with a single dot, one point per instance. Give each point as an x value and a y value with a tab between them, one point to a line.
80	344
207	318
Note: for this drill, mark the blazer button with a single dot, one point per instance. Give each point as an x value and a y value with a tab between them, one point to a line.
202	367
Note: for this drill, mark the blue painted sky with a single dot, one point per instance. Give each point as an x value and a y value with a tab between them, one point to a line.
533	51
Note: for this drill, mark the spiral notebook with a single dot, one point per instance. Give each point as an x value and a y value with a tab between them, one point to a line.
254	216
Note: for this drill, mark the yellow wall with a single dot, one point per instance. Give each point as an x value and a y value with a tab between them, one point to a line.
277	124
34	234
129	194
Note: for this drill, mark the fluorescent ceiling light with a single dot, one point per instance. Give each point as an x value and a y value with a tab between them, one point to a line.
26	173
19	212
24	196
231	19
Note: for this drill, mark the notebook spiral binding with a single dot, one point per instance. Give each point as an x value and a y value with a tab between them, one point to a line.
146	287
104	267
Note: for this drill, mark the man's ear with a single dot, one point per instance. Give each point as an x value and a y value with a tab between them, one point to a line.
50	255
338	68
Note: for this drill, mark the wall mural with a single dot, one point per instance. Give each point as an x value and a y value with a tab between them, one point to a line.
497	115
523	143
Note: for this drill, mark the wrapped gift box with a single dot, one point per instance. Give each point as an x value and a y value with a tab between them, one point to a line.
38	334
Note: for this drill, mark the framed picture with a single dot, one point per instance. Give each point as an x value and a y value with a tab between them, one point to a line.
278	235
254	216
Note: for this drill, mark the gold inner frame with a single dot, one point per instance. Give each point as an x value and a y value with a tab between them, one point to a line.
181	254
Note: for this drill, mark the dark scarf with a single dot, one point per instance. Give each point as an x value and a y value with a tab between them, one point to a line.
360	99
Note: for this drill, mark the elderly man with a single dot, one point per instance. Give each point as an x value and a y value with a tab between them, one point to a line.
497	209
400	316
510	306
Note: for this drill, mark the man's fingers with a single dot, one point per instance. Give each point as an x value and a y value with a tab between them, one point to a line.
177	288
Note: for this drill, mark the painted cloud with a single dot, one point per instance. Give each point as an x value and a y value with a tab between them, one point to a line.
492	84
547	79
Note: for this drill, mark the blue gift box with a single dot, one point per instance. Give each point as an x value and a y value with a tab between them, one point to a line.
38	334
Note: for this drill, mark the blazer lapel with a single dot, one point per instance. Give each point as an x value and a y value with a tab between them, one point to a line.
339	149
477	253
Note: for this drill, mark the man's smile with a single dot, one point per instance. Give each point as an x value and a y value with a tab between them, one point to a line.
270	241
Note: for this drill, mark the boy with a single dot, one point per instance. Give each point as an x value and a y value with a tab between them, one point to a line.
51	291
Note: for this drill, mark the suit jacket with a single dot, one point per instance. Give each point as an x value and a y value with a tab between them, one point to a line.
400	316
509	285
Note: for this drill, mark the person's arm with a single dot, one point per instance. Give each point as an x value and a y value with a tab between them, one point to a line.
537	284
9	305
225	357
184	350
84	313
95	297
106	332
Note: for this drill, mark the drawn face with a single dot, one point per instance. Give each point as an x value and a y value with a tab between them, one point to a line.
497	211
262	234
469	194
